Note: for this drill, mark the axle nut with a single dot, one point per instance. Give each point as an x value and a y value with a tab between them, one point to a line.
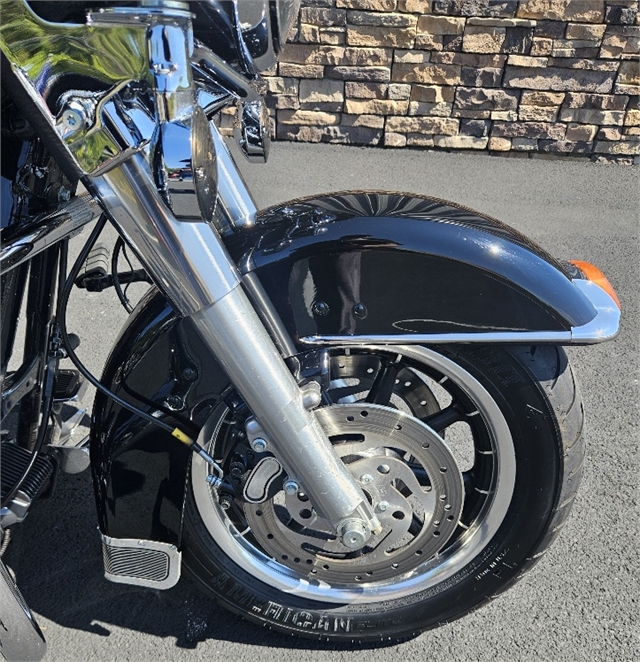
354	533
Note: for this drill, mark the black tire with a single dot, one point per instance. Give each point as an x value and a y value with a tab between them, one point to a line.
535	390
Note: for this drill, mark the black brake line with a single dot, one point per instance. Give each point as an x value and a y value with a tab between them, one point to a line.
114	273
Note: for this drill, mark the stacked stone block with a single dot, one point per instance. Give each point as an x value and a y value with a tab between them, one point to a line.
530	76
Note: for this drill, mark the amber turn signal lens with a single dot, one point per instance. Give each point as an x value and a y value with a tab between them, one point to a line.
592	273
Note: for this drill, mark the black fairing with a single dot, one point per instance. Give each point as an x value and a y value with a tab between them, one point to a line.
379	264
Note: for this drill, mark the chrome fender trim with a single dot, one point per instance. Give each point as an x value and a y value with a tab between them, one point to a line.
603	327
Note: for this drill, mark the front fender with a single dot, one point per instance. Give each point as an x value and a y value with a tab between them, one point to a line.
159	364
356	267
393	267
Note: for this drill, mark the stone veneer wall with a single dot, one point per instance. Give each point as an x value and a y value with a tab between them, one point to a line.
537	76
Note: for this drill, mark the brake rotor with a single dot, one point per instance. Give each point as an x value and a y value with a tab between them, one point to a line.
408	474
353	376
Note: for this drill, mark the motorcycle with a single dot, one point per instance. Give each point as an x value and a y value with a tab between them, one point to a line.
348	417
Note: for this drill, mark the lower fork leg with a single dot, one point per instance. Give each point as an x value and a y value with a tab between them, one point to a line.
241	344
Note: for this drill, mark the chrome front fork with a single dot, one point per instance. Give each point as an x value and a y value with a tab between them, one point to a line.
190	264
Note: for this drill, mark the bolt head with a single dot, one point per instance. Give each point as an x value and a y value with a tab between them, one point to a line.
70	119
259	445
320	308
290	487
360	310
366	478
383	505
175	402
189	374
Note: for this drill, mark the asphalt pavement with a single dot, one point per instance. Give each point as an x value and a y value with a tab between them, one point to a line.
579	603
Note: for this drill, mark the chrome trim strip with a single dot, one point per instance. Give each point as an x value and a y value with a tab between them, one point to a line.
604	326
508	337
131	555
52	227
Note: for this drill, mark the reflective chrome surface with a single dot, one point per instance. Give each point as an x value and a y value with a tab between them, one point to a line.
236	208
211	67
424	575
232	329
187	260
53	227
606	324
562	337
170	50
105	56
141	562
184	167
252	131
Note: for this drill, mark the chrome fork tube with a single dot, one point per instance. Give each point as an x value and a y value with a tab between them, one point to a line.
190	264
236	207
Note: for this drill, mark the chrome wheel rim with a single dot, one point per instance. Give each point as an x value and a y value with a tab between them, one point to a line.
486	507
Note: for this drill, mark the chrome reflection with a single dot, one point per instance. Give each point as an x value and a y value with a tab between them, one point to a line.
48	230
236	207
252	130
183	159
76	74
105	58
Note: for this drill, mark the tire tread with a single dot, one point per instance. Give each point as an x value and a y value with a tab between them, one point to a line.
570	421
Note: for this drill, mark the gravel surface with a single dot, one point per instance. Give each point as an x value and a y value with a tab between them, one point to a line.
579	603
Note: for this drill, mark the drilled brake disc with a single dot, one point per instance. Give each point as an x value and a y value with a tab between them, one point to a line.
408	474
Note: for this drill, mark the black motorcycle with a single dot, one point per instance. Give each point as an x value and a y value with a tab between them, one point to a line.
347	417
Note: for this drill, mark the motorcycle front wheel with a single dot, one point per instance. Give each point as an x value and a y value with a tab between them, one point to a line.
471	457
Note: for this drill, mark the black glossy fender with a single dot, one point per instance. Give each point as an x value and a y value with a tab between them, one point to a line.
139	470
387	264
350	263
